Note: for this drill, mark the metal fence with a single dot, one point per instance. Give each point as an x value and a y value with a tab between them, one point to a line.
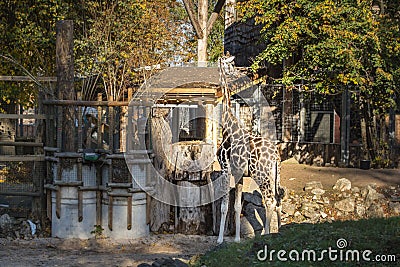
22	162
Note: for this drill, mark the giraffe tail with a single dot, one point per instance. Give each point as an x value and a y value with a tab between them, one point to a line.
280	191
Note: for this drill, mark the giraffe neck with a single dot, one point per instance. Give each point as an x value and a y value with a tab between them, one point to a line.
231	124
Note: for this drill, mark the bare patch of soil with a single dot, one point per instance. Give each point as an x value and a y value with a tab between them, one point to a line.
101	252
294	175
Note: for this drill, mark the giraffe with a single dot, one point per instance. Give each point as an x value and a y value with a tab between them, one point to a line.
242	153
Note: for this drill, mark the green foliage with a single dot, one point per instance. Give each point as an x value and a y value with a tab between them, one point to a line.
28	36
113	41
97	231
331	44
122	38
215	46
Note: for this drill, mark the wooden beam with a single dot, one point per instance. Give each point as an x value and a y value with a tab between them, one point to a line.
11	158
30	144
96	103
14	193
23	116
194	91
27	79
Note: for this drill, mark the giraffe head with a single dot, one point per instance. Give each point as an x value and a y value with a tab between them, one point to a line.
225	65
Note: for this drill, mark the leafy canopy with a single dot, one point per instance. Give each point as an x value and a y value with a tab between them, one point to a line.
330	44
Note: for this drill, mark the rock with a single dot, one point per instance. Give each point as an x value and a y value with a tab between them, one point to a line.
144	265
298	218
345	194
375	211
313	215
309	206
310	211
254	198
26	230
318	161
346	205
323	215
394	207
312	185
254	218
6	223
355	189
288	208
360	210
318	191
168	262
342	184
246	230
370	195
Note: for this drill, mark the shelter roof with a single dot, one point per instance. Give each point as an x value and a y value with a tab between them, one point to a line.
183	84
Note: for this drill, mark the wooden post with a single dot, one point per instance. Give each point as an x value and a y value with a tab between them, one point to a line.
110	212
129	213
111	141
345	128
99	182
65	79
287	115
79	162
99	123
302	118
392	134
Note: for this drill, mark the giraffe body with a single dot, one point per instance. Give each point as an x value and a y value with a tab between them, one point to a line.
242	153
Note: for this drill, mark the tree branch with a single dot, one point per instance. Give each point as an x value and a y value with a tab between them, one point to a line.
214	15
195	23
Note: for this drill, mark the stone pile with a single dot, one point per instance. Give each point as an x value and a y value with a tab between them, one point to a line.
342	202
316	204
18	228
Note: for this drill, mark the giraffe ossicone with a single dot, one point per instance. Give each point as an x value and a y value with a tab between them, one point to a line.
241	153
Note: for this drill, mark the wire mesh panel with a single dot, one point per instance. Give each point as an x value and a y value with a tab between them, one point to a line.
19	182
319	122
120	171
22	165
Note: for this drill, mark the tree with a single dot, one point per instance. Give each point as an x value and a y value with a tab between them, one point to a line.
203	24
126	40
27	45
140	33
332	46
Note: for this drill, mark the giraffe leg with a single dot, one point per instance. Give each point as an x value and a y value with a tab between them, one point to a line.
268	217
238	210
224	212
279	214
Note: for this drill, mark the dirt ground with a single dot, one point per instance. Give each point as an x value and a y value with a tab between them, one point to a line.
294	175
105	252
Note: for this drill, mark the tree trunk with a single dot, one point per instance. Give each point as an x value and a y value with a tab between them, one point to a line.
364	138
202	42
202	25
287	107
65	81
